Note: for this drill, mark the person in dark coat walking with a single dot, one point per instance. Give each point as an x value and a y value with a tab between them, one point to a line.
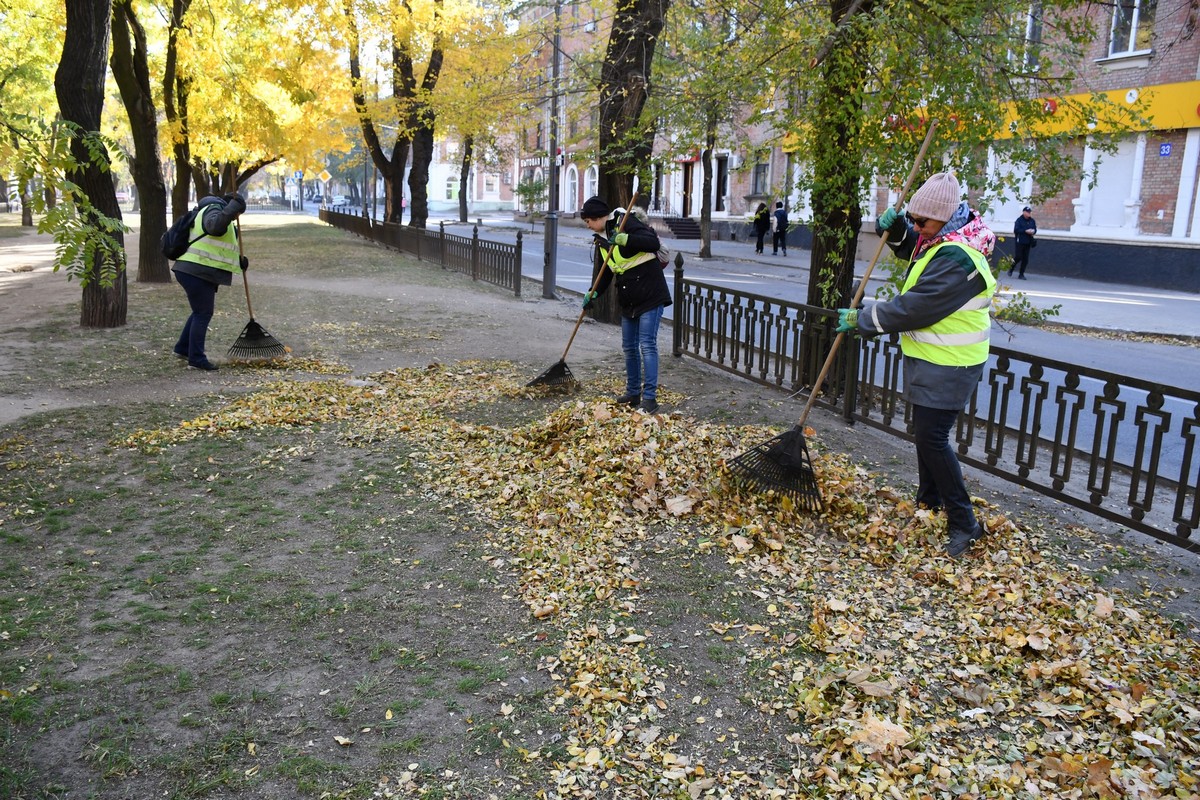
631	261
779	242
762	224
1024	231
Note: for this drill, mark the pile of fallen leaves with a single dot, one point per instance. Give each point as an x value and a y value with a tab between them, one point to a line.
899	672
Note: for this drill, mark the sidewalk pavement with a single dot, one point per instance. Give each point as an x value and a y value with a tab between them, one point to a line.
1090	304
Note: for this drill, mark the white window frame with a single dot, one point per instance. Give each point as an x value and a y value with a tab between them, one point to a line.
1135	21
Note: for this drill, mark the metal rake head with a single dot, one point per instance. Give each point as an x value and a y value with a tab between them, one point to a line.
557	375
781	464
255	344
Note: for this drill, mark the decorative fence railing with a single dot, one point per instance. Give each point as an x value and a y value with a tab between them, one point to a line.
1121	448
497	263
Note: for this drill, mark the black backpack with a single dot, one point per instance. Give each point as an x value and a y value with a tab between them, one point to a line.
175	241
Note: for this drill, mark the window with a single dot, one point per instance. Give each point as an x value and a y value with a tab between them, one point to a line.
1132	26
491	184
1027	37
591	181
759	183
451	188
572	197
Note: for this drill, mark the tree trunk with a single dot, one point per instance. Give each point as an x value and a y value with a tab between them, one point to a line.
26	202
131	71
710	141
837	214
464	177
175	97
79	86
625	145
418	177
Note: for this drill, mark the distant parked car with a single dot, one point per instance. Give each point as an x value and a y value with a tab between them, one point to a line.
339	200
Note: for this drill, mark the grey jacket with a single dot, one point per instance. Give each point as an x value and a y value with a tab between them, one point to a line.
948	281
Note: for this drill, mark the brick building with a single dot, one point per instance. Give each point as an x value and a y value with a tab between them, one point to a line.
1139	222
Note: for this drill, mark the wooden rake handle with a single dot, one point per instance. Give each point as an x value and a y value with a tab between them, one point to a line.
599	275
862	285
249	309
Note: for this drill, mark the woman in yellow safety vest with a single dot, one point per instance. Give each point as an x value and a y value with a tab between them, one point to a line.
942	315
212	259
631	262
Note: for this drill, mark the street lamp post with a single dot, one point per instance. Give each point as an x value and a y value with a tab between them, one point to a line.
550	268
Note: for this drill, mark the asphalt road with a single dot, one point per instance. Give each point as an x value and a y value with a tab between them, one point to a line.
1084	303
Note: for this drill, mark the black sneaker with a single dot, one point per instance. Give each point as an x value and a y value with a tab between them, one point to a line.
961	541
649	406
628	399
204	365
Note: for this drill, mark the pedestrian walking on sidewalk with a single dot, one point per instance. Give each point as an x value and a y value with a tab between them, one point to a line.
943	316
779	242
1025	232
631	261
212	259
762	224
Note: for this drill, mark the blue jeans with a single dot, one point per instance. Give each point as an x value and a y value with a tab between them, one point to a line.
639	340
202	297
940	475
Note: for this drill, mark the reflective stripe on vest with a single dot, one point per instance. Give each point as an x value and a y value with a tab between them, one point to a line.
220	252
618	263
961	339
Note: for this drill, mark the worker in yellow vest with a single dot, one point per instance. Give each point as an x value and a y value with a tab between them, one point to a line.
212	259
943	316
630	248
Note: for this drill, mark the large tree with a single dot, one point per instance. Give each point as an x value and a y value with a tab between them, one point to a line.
707	101
31	40
886	69
131	71
79	86
626	141
416	35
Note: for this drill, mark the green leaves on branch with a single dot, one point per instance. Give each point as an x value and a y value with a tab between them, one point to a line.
86	239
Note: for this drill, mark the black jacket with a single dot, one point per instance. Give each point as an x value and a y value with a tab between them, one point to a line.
645	286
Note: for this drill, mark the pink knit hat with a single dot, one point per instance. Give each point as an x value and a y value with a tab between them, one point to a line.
938	198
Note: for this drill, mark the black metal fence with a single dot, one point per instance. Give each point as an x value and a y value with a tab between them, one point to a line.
497	263
1118	447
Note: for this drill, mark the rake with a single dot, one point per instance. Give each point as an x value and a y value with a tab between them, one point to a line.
782	463
254	344
559	374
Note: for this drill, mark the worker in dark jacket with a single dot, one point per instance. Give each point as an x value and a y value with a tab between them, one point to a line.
211	261
943	316
630	259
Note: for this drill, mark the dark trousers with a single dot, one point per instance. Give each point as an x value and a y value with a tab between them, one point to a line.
779	242
941	484
202	298
758	243
1020	259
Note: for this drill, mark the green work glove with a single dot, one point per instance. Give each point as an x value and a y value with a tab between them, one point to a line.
621	239
847	320
887	218
588	299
